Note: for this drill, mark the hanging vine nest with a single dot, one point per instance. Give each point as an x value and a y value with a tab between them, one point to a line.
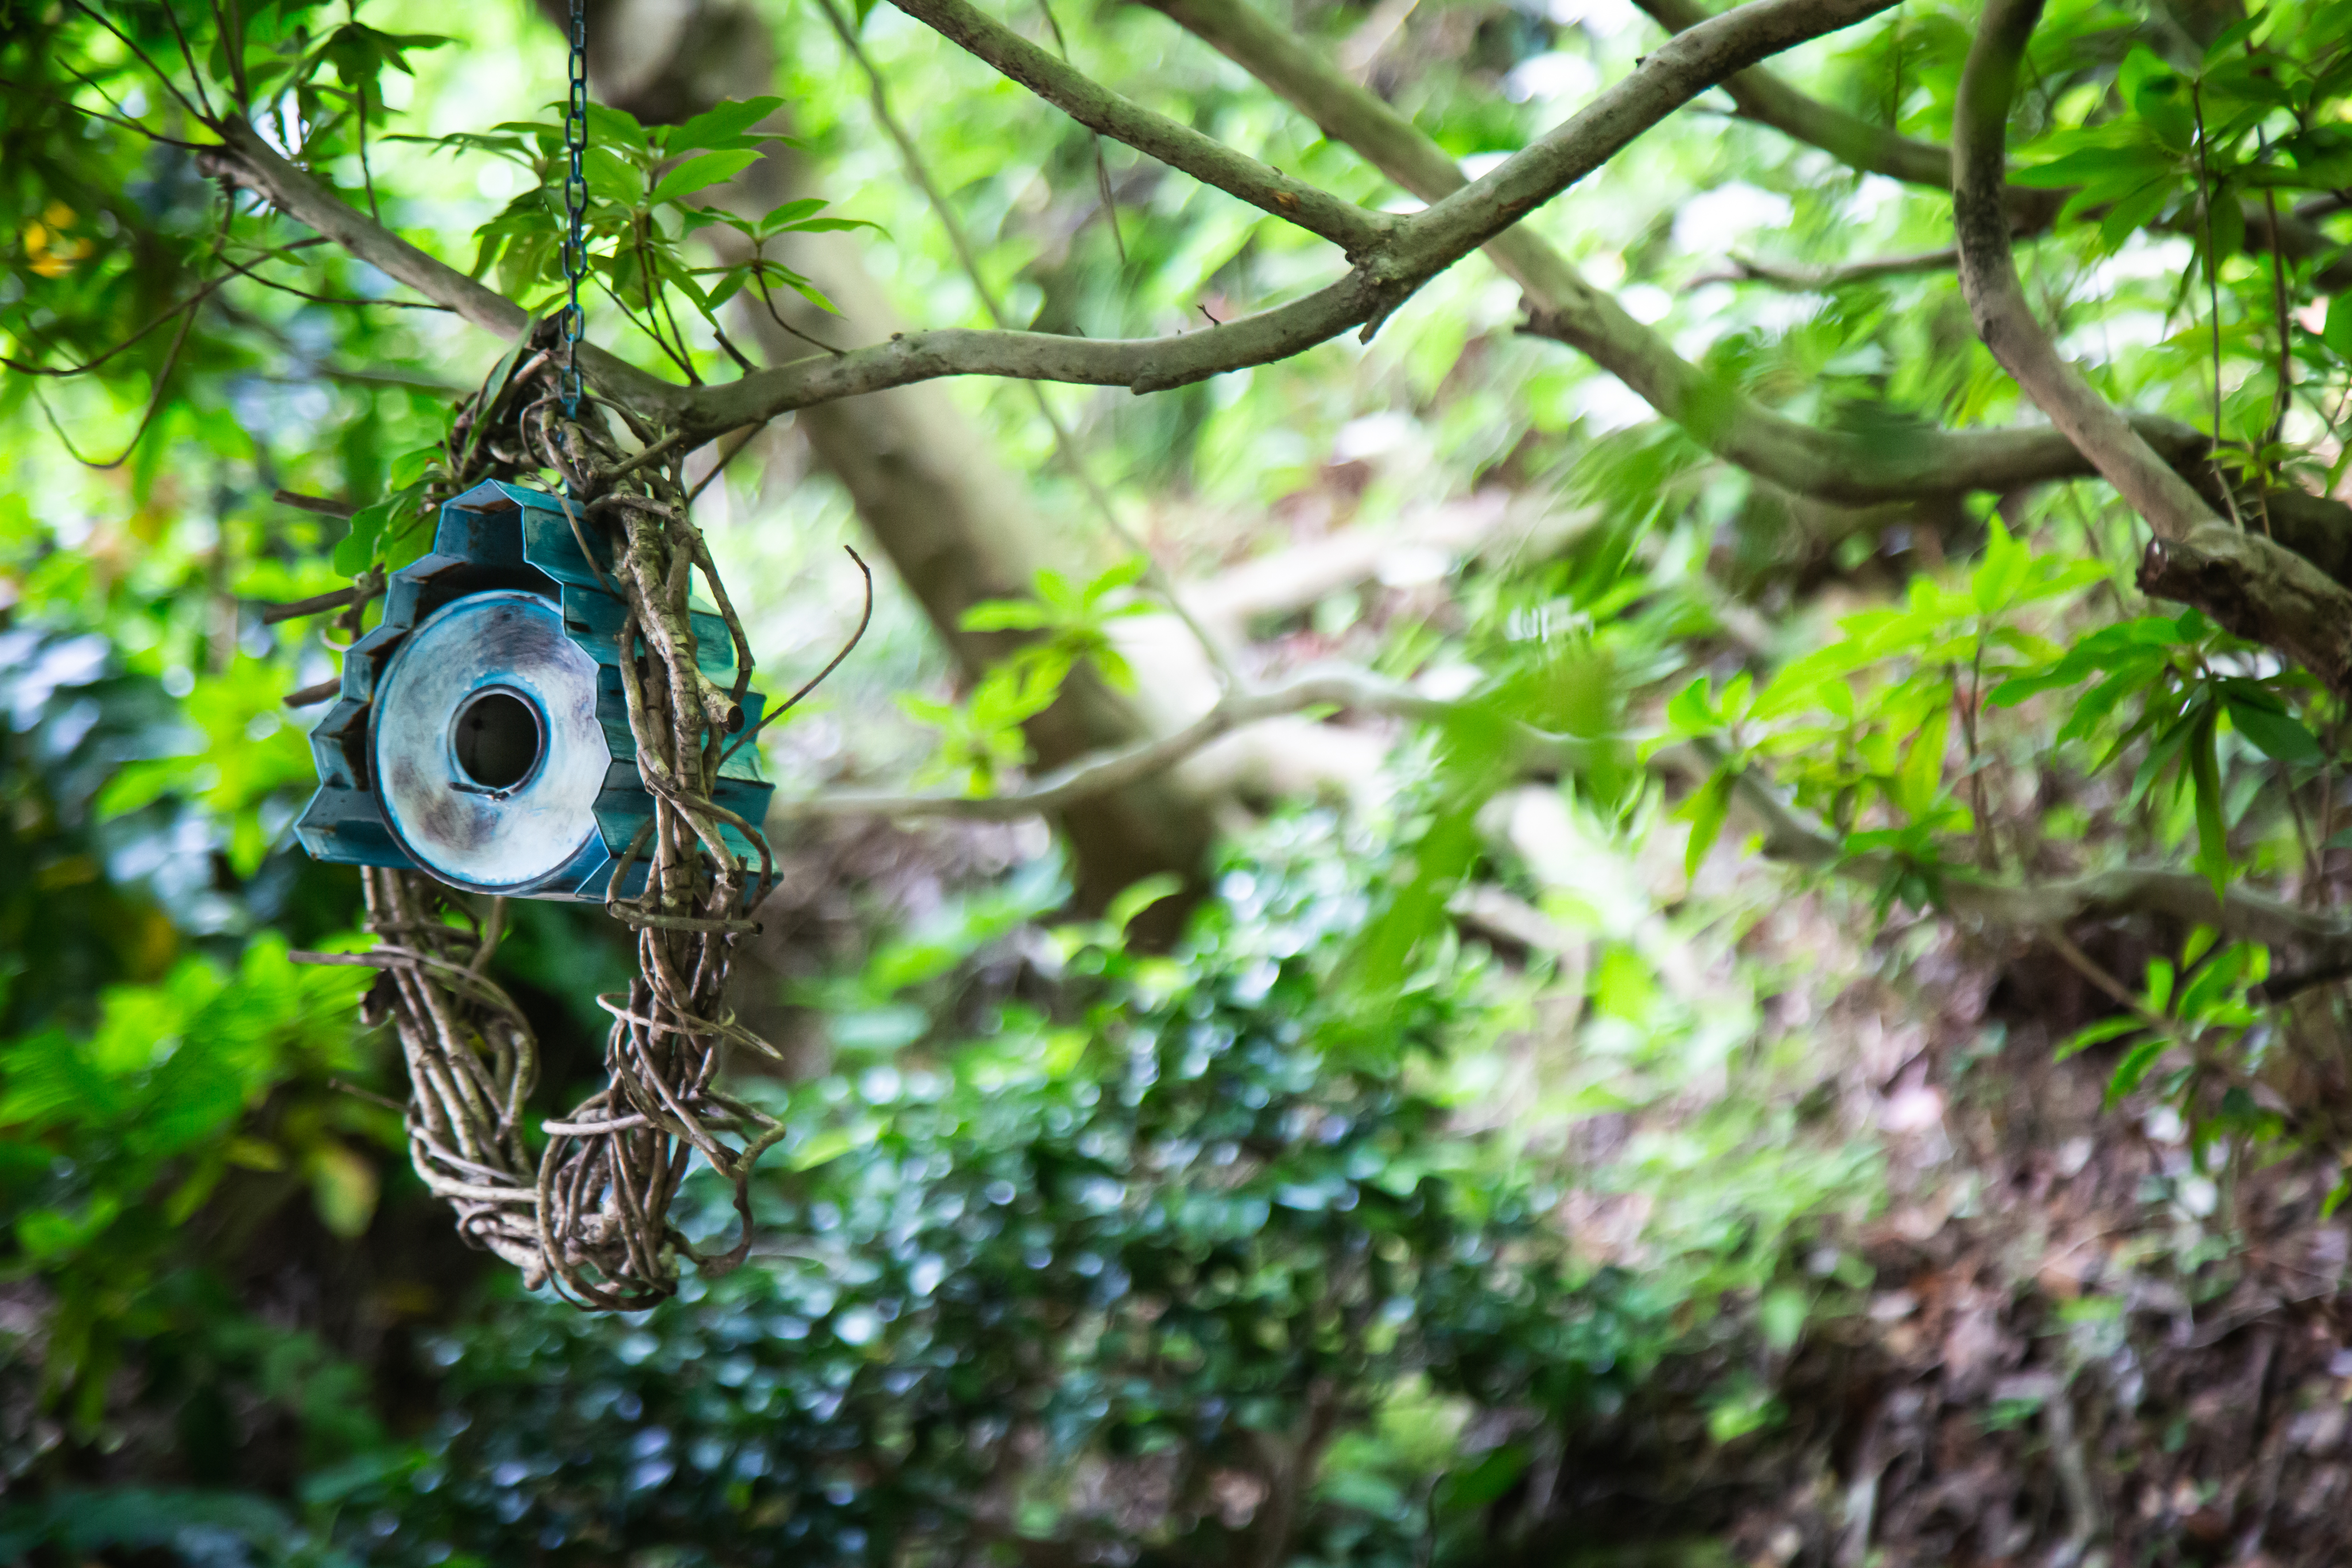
591	1212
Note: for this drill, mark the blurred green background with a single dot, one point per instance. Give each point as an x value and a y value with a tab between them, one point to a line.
1492	1157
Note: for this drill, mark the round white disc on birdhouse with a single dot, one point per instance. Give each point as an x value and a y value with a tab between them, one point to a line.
484	732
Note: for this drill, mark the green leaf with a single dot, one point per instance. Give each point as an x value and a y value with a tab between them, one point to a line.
2161	97
608	127
1798	680
2135	211
1005	616
2276	735
2205	779
1056	588
412	466
2134	1067
2230	37
1132	901
2097	1034
831	1144
721	125
1706	809
2096	165
2228	219
1690	712
791	213
1998	577
2337	333
1921	779
356	550
612	178
2210	996
1126	573
704	169
1780	1316
342	1190
2160	976
1468	1490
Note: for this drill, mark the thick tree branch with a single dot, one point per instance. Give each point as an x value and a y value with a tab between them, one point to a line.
2262	591
1996	300
1405	256
1140	364
1355	230
1848	467
254	163
2252	584
1462	219
1791	835
1852	141
1856	142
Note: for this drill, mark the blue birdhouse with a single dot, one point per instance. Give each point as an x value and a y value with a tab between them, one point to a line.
482	736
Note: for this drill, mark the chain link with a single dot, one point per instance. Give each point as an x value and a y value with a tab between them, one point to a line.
575	208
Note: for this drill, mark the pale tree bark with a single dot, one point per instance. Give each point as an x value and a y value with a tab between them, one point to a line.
1845	467
2255	586
1840	468
1858	143
955	525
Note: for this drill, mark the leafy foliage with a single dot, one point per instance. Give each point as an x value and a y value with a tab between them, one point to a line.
1139	1239
1081	1248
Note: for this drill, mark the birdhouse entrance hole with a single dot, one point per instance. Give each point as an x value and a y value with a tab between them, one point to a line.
497	739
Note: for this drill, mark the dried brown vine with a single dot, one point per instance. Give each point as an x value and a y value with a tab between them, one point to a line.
590	1212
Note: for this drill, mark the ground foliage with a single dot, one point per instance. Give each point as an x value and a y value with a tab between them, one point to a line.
1510	1164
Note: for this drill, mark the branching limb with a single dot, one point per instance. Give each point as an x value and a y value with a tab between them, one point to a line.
1064	443
1821	280
254	163
1462	218
1852	141
2252	584
1996	301
1791	835
1829	465
1856	142
1356	231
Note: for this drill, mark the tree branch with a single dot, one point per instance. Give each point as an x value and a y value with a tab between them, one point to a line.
1821	280
245	157
1461	219
1852	141
2252	584
1356	231
1464	217
1847	468
1856	142
1996	300
1791	835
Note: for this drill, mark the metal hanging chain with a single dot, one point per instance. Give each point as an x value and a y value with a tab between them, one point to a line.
575	208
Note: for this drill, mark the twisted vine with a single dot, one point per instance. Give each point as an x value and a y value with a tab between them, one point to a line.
590	1212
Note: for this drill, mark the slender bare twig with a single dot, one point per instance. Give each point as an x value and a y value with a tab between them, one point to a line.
1065	445
1822	280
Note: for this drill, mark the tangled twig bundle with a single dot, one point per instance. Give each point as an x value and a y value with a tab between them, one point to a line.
591	1213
